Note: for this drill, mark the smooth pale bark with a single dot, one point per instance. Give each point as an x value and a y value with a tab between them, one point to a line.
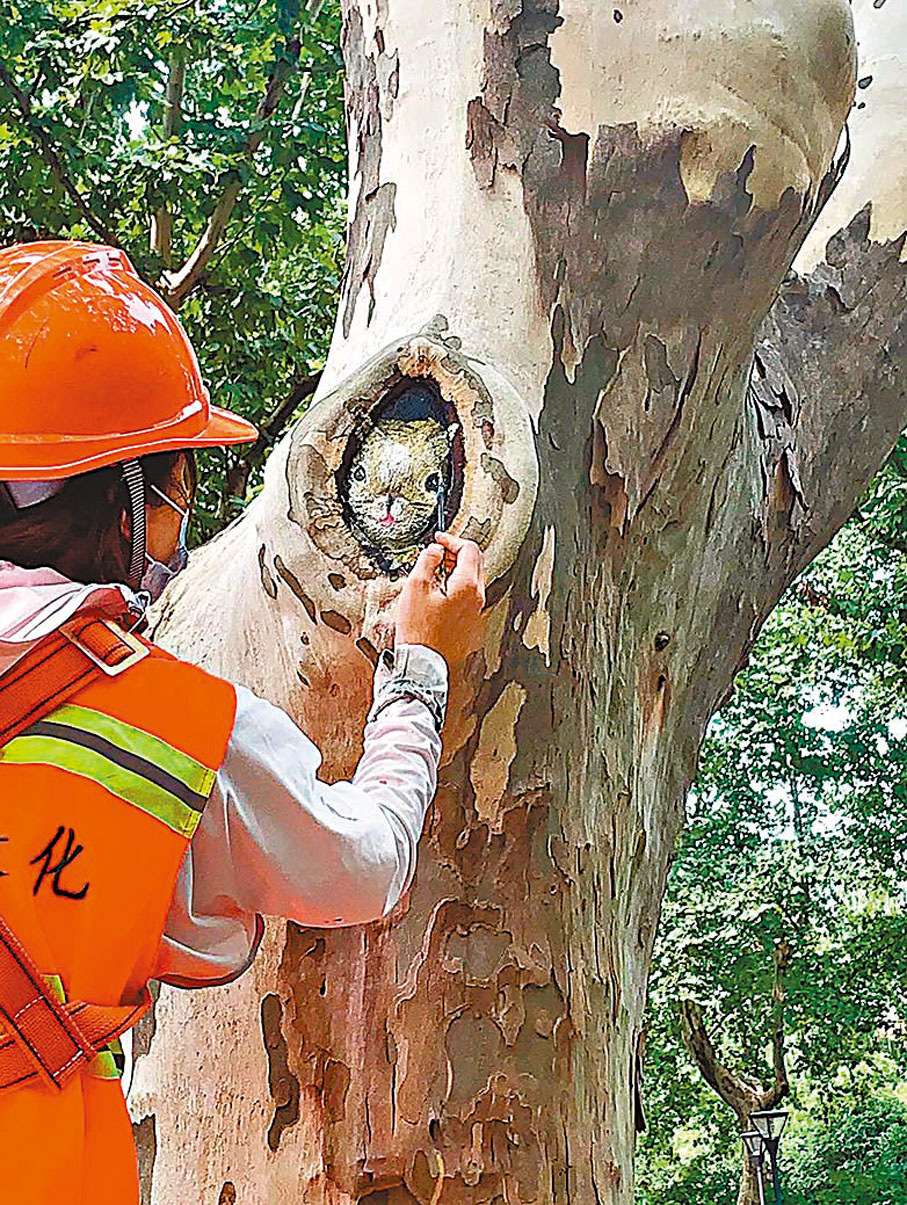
576	218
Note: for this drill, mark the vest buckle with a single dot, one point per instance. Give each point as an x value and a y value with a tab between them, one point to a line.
113	650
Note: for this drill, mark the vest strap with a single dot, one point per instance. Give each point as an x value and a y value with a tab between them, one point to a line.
61	665
41	1038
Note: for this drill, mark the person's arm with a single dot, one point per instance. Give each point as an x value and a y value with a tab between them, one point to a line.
277	841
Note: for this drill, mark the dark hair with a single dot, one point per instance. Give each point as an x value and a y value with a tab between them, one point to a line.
77	531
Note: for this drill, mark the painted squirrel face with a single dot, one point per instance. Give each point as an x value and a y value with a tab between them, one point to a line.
395	478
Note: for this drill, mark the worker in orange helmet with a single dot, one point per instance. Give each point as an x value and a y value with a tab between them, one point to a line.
150	813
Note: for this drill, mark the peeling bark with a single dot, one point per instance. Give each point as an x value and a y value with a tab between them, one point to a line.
372	77
584	227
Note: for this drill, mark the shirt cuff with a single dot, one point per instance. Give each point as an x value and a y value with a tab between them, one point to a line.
411	671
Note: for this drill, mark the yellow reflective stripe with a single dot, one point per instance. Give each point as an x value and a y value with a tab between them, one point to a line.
196	777
103	1066
55	983
128	785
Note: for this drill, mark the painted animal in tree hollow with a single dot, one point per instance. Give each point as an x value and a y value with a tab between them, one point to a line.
395	479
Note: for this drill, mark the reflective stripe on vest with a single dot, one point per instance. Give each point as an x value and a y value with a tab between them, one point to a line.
108	1063
132	764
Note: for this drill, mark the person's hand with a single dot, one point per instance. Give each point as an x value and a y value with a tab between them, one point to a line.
443	615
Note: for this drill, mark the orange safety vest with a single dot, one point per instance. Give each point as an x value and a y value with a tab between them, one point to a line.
99	800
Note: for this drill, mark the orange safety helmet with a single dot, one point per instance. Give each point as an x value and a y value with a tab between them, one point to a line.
95	369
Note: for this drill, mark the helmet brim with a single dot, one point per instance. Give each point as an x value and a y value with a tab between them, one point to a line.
224	429
52	460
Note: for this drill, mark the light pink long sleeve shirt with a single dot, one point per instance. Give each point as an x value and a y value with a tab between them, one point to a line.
274	839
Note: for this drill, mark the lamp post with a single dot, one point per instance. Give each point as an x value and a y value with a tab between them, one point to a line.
770	1125
755	1145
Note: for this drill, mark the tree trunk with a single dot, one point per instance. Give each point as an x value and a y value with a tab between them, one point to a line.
573	218
748	1193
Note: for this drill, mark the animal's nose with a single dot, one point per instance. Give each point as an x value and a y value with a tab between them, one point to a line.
385	505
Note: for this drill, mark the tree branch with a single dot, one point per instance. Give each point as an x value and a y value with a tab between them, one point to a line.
773	1097
177	285
269	432
162	218
829	392
39	78
738	1093
832	361
742	1095
830	380
53	160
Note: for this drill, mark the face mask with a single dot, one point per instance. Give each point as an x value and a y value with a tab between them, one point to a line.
157	575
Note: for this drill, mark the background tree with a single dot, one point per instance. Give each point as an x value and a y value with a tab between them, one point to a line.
206	141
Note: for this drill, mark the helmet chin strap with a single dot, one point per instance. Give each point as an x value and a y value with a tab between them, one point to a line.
135	484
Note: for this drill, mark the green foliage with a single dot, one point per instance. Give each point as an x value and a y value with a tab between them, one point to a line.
856	1154
797	833
883	509
93	81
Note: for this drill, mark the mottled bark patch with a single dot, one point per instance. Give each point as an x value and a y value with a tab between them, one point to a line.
373	221
267	578
511	118
490	769
283	1084
295	586
537	633
336	621
336	1085
658	370
480	142
655	699
398	1195
477	530
144	1029
367	649
372	83
510	489
388	82
474	1048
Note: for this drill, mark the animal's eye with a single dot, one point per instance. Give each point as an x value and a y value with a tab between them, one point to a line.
432	482
359	473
